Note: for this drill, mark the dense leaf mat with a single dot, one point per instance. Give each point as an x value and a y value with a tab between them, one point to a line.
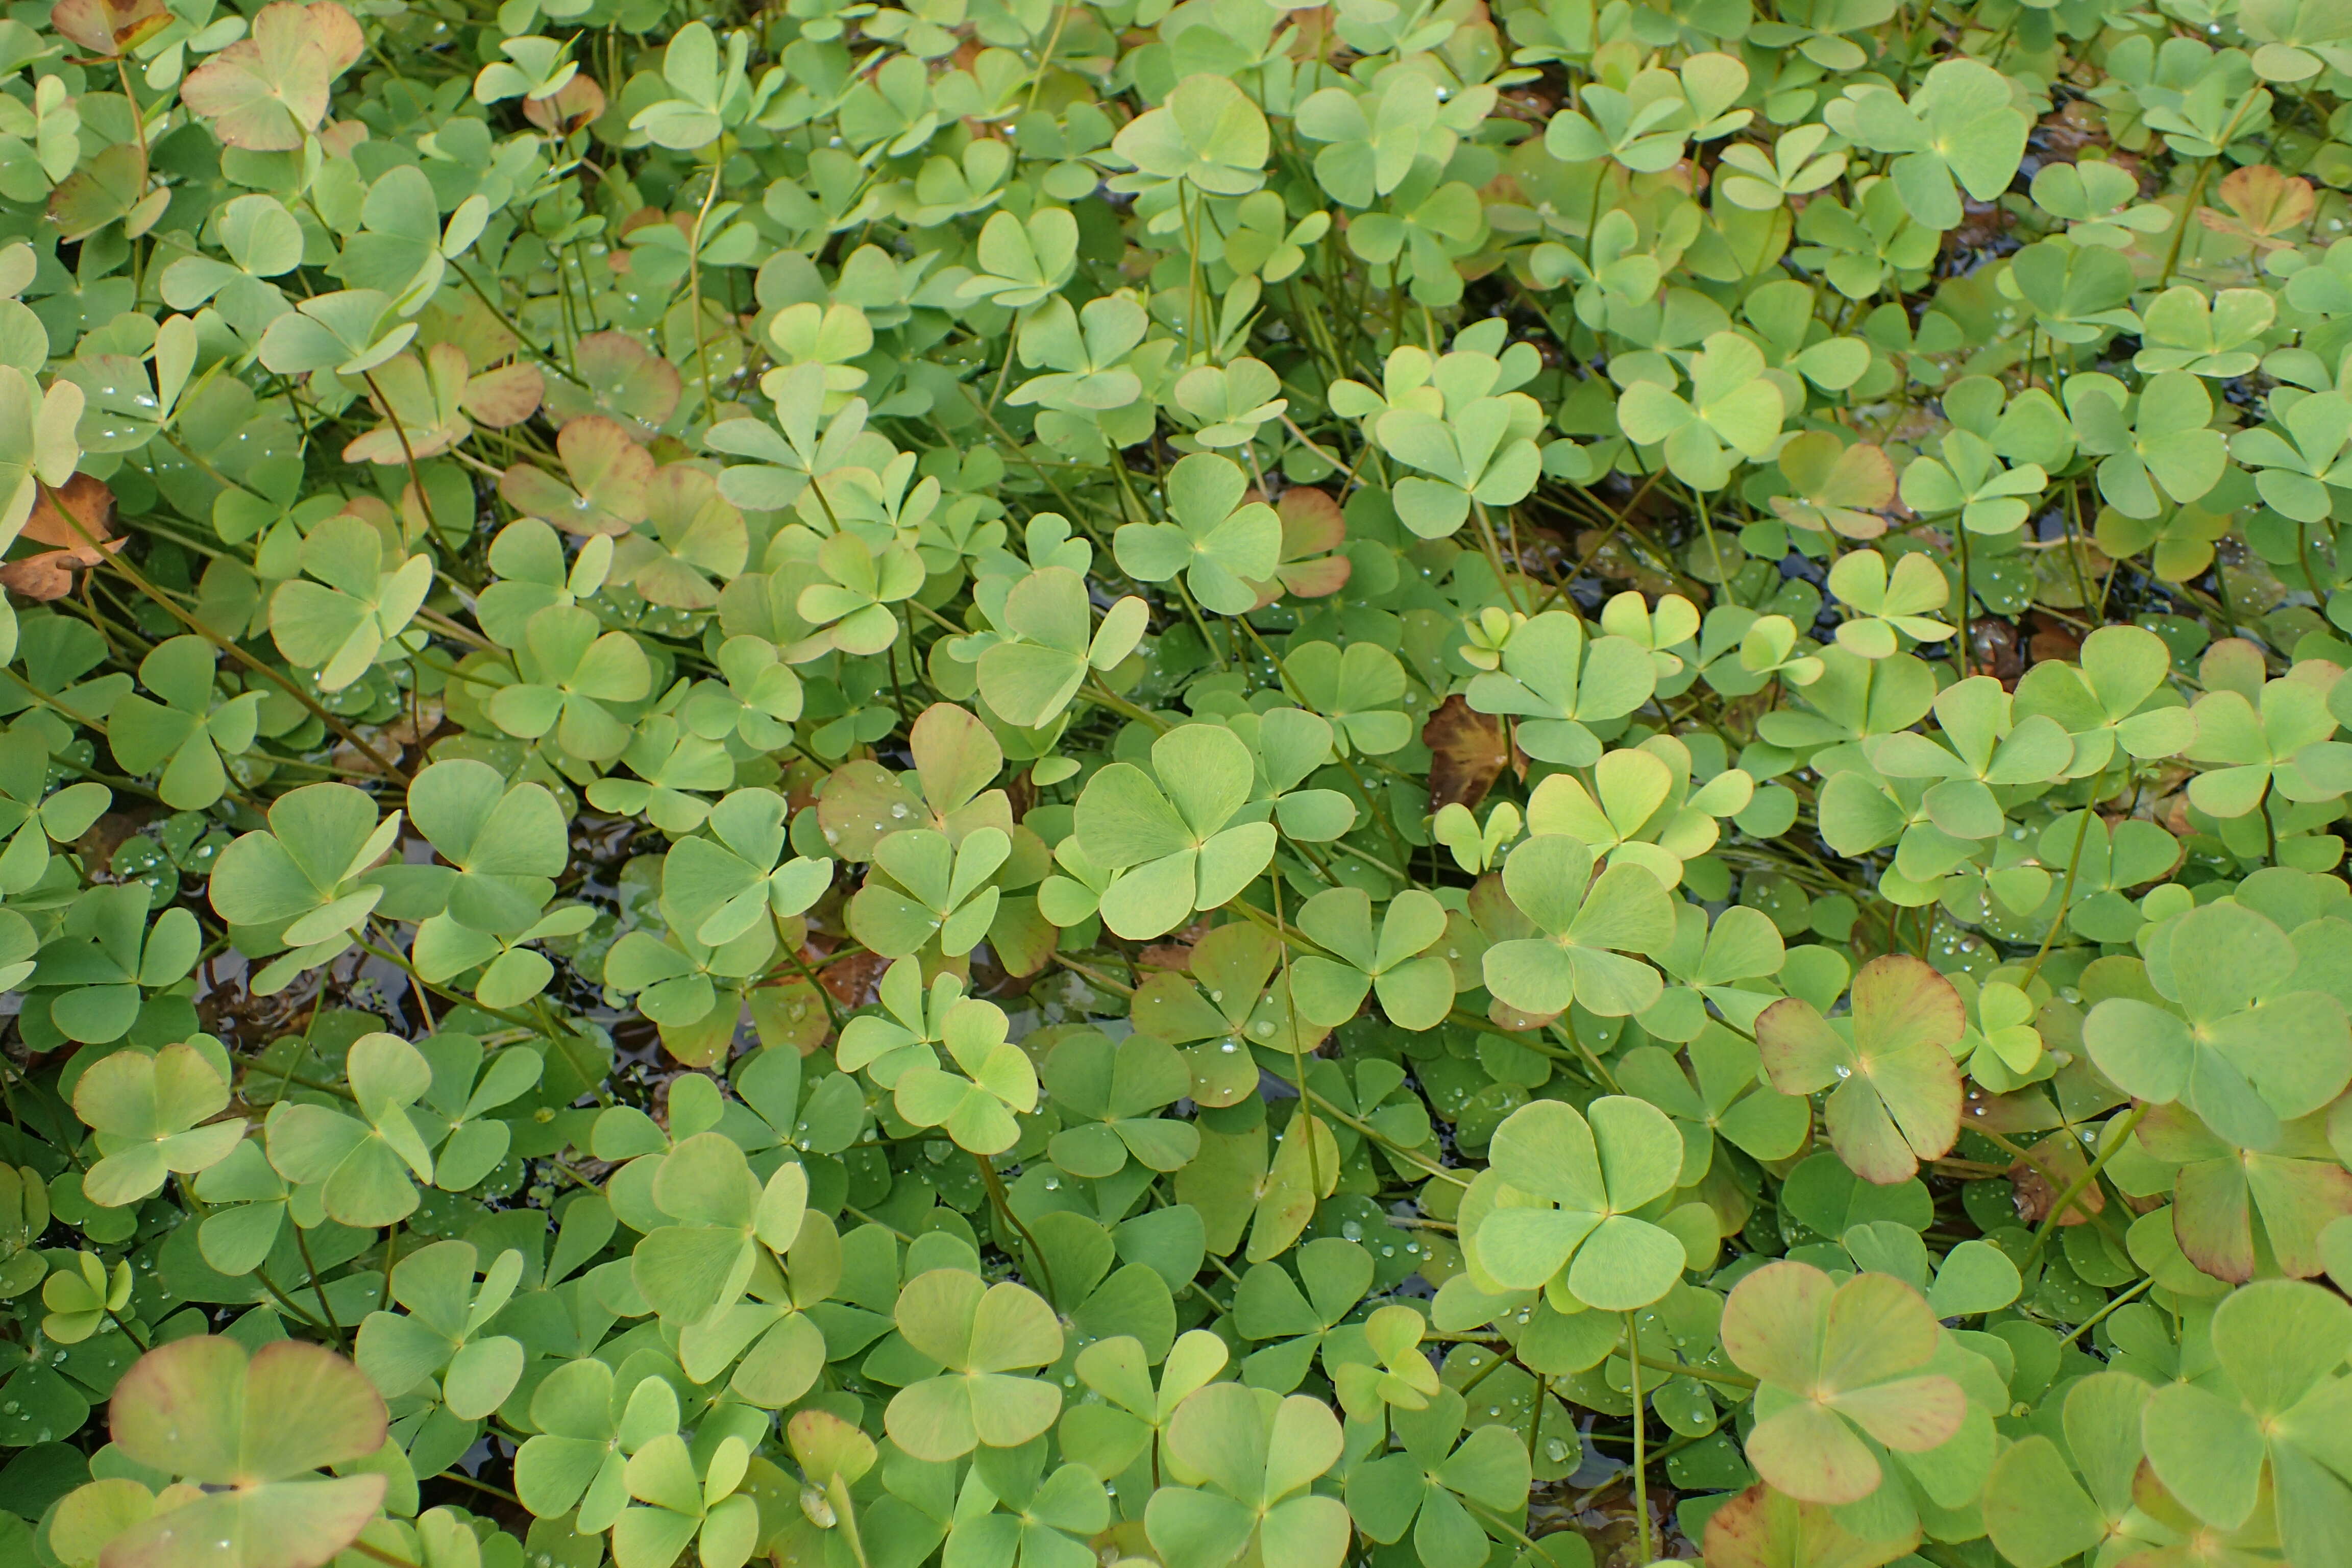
1062	783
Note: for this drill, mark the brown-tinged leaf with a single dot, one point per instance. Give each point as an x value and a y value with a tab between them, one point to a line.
2027	1110
2263	203
378	514
469	322
610	474
1503	1015
2052	639
109	27
789	1013
1467	753
624	379
1312	526
1498	917
338	137
1173	952
1762	1529
2056	1164
691	535
78	518
79	512
1838	488
504	396
568	109
854	981
1894	1096
420	403
1022	940
265	92
113	185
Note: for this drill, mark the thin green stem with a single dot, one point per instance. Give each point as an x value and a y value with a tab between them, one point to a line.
2072	1197
1002	1203
2130	1293
2067	888
1640	1433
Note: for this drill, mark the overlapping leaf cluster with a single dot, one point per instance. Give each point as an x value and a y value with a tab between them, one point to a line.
1031	783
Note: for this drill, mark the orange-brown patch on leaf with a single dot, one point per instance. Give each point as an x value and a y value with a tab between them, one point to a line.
109	27
2263	204
568	109
1467	753
78	519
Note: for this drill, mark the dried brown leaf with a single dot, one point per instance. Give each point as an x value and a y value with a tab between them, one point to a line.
1467	753
568	109
78	518
109	27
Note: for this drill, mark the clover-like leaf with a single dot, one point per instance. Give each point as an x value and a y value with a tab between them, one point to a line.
301	881
1731	409
267	91
1959	126
996	1080
1844	1374
1171	833
1219	543
1051	644
338	617
1207	133
1558	1212
983	1335
724	885
1588	923
1561	682
152	1116
1415	986
1894	1092
2242	1043
1244	1460
441	1335
185	736
249	1429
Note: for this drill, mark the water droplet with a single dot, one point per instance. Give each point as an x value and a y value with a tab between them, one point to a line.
1555	1449
1352	1231
1216	995
1228	1048
1843	1070
1261	1028
898	810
